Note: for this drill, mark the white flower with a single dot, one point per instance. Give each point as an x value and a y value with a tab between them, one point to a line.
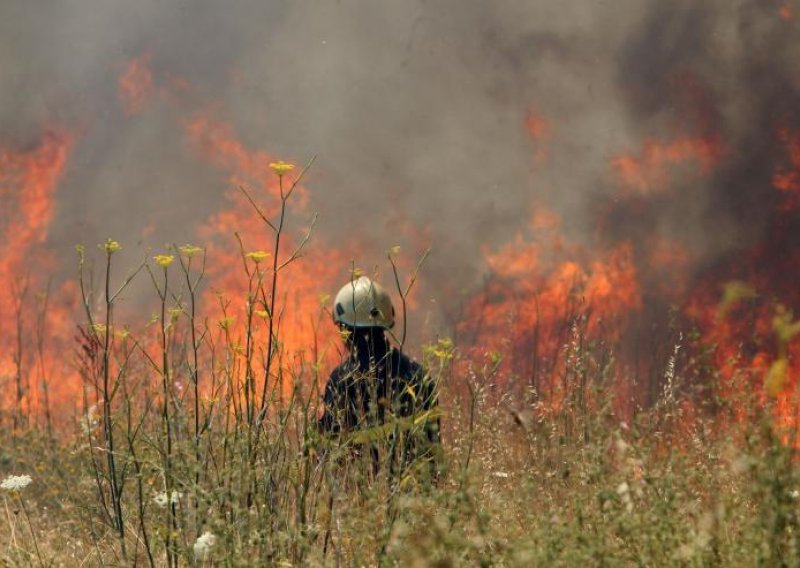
500	474
624	491
203	545
15	482
160	499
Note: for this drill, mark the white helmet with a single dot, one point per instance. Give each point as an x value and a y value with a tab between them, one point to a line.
363	303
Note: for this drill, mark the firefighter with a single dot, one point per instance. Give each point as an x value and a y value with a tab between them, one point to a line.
377	384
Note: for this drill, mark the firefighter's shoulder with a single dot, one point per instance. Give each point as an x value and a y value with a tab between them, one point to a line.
407	367
339	375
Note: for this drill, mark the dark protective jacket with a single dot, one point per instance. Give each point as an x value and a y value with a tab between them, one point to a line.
363	393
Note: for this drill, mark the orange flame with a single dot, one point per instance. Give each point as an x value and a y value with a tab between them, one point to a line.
540	286
652	169
540	131
787	179
135	87
28	181
301	285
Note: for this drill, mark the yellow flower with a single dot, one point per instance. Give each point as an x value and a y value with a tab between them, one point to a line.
81	250
733	293
123	333
98	328
444	351
163	260
175	313
357	273
226	323
261	313
189	250
111	246
281	168
257	255
784	325
395	250
776	376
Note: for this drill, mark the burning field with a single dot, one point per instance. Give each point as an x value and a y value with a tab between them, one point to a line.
589	218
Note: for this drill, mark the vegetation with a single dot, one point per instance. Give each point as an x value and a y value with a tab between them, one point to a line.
197	446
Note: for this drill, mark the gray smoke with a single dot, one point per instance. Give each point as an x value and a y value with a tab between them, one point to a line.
416	109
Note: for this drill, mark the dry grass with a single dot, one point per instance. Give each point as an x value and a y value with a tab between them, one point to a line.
181	408
518	489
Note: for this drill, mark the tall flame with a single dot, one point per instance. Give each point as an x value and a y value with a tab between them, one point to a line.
28	182
302	286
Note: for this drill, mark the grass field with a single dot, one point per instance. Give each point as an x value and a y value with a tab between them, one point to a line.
518	489
195	444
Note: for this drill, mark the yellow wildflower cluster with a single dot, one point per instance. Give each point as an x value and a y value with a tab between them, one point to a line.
785	328
98	328
281	168
257	255
164	260
776	377
189	250
226	323
111	246
734	292
443	350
